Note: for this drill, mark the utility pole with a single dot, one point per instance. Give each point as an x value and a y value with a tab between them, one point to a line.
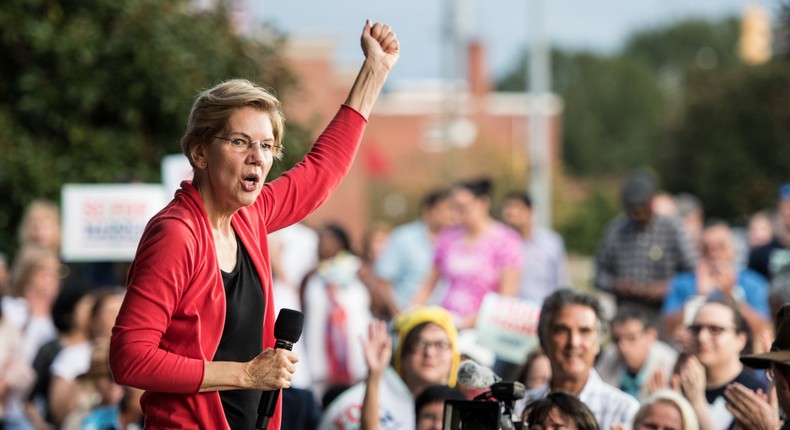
539	99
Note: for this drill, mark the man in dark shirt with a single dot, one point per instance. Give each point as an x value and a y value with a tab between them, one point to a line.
719	333
641	251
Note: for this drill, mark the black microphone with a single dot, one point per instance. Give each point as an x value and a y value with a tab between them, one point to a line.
287	330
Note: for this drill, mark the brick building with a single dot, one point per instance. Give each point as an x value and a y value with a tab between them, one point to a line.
420	135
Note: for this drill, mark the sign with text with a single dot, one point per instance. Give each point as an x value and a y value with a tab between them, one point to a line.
508	326
175	168
105	222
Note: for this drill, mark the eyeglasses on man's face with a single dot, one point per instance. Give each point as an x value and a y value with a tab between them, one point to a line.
714	330
241	144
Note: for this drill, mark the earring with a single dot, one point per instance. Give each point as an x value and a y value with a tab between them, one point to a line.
203	164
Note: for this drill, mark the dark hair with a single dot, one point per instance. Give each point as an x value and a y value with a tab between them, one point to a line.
435	393
101	296
434	197
782	369
638	190
411	339
632	313
64	306
480	188
740	324
340	234
520	196
560	299
779	294
568	404
332	393
525	368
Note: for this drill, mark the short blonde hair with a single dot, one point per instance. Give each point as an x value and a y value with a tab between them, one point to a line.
213	108
29	260
37	208
687	414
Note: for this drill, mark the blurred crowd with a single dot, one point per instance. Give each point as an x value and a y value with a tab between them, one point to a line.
678	304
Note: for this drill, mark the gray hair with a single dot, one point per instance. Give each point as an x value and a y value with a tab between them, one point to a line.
561	299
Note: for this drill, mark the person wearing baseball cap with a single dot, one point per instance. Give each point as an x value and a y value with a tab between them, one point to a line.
751	410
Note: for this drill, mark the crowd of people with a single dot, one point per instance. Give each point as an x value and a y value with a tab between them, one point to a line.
688	361
183	336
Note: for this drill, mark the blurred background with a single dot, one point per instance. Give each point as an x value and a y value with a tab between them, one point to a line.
563	98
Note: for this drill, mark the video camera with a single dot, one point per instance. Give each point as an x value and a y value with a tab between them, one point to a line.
484	414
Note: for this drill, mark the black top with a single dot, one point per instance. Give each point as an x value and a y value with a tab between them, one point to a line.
242	336
41	364
747	378
769	259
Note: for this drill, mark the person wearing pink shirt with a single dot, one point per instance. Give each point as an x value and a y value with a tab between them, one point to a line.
478	256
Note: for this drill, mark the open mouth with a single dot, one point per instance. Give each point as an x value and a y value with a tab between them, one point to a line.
251	181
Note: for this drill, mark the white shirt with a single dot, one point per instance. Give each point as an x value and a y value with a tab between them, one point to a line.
396	406
72	361
609	405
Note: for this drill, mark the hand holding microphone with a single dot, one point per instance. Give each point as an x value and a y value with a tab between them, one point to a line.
275	367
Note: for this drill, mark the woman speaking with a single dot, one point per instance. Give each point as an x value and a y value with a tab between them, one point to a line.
198	309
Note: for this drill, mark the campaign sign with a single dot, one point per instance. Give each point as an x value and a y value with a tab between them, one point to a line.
105	222
508	326
175	168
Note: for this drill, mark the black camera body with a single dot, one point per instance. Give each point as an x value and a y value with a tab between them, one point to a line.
492	410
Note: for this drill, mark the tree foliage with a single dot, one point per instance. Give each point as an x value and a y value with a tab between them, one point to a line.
676	100
99	90
732	147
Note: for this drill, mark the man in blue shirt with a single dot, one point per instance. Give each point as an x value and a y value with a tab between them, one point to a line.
716	276
407	257
544	268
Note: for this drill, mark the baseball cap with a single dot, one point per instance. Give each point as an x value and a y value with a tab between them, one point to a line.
780	350
638	190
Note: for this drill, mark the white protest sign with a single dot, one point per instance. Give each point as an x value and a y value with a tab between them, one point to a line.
508	326
175	168
105	222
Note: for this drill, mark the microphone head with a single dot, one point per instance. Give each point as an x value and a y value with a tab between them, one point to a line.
288	326
473	375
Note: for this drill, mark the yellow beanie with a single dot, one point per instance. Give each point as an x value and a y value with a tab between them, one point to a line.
406	321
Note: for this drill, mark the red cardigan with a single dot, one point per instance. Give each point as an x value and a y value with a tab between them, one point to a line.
172	316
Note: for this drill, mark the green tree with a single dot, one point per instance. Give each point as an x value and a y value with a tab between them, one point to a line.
692	43
732	148
731	145
99	90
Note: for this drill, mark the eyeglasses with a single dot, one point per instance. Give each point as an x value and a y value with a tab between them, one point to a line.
714	330
240	144
422	346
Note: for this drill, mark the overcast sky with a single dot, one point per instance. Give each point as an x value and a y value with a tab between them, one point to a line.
501	24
